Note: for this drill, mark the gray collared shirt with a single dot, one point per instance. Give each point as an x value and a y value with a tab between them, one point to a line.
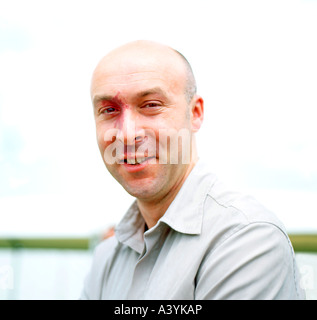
211	243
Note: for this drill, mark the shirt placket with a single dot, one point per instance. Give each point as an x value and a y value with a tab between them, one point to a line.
153	240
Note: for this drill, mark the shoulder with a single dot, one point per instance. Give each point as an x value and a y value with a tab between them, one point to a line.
248	246
102	253
234	219
104	249
229	211
255	262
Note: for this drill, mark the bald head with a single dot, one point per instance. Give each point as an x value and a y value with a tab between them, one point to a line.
141	55
190	85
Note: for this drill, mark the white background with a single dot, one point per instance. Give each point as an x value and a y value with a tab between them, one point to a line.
256	68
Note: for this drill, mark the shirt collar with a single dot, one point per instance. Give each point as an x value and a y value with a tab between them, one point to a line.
184	215
130	229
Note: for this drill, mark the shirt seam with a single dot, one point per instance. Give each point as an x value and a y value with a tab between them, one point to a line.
242	226
248	223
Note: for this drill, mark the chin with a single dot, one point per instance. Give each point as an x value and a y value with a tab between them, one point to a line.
141	185
143	191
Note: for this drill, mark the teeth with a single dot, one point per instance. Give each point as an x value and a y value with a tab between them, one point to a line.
131	161
140	160
135	161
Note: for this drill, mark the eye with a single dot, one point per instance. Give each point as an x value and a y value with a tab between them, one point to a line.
108	110
151	105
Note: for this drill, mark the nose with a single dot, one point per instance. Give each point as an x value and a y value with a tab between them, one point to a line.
129	131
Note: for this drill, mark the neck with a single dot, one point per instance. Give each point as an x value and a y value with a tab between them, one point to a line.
153	210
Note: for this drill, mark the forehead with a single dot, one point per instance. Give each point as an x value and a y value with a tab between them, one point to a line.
131	84
130	73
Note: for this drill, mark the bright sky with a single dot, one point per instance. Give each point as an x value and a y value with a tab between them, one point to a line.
256	68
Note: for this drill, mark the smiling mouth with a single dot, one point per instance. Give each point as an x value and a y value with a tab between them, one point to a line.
135	161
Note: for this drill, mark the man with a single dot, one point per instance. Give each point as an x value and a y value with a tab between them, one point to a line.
185	236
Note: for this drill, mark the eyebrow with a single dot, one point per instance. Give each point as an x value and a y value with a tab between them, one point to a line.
99	98
141	94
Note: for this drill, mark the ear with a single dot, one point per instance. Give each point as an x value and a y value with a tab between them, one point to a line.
197	112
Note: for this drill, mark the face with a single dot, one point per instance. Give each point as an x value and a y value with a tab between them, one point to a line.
140	111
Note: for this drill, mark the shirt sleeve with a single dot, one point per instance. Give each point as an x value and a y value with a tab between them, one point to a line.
256	262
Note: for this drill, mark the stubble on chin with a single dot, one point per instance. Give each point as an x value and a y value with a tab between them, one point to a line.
143	186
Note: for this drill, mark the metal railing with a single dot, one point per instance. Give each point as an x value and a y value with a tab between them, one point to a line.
304	242
46	243
301	243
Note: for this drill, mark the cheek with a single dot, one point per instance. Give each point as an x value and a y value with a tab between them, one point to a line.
178	118
101	137
174	142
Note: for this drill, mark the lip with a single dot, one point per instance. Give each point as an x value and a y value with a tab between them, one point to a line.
136	167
